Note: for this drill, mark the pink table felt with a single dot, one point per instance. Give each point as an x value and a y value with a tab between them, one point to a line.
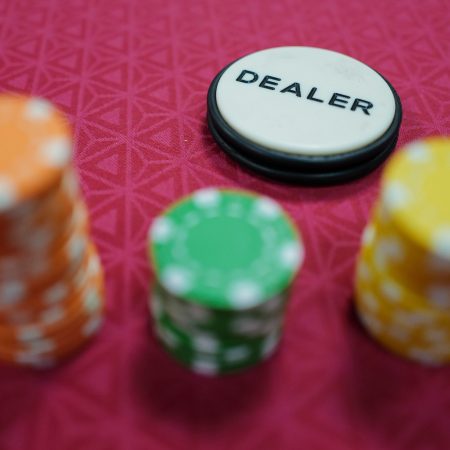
132	76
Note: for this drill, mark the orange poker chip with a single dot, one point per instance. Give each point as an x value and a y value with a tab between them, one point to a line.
42	207
46	355
36	148
48	237
61	321
51	225
32	306
48	351
51	281
53	349
37	269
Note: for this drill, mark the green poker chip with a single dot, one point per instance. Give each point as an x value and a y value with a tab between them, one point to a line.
206	354
224	261
251	322
225	249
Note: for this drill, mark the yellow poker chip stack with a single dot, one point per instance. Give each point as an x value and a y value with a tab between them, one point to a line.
402	281
51	281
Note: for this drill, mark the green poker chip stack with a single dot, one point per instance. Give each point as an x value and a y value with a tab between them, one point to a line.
224	261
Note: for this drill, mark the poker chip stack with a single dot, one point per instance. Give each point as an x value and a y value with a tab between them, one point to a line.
403	272
224	261
51	281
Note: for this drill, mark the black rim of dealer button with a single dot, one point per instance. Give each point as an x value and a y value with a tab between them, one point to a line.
308	177
308	169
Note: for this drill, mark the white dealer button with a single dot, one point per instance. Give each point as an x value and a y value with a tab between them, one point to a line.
305	101
304	115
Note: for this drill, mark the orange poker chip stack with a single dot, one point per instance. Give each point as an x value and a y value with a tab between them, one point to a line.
51	280
403	273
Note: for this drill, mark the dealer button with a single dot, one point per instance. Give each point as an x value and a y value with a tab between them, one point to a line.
303	114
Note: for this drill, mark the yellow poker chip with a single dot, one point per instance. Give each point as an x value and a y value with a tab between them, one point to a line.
399	318
383	256
393	295
421	334
407	259
402	283
415	189
429	355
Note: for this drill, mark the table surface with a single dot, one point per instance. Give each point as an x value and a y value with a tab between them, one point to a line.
132	76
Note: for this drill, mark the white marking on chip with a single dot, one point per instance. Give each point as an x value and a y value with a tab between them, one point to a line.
56	293
204	367
418	152
270	344
368	235
388	249
391	290
177	314
28	358
91	302
424	356
77	247
176	280
7	193
41	346
53	315
38	109
370	301
396	195
268	208
236	354
199	314
392	247
43	363
244	294
156	305
92	325
57	151
191	219
161	230
441	242
205	343
206	198
246	325
41	238
371	322
167	336
11	293
29	333
291	255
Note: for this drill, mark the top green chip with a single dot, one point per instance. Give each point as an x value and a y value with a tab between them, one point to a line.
225	249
